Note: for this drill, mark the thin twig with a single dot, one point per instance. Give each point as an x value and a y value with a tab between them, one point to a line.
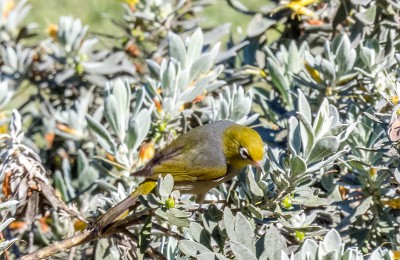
168	231
82	238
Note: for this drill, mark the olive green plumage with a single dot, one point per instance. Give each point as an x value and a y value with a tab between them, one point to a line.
199	160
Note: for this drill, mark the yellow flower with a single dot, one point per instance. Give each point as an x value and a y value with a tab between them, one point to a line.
313	72
395	100
392	203
3	125
298	7
131	3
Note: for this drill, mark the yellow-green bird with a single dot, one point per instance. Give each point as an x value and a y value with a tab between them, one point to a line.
199	160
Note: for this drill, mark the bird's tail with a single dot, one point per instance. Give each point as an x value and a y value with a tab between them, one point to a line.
122	209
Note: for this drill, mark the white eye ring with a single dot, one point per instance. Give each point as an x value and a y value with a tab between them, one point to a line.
244	153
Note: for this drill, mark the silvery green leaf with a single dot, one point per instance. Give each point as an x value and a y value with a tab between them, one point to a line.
280	81
244	232
332	242
294	56
308	250
145	235
380	253
106	249
111	112
294	139
133	134
195	46
199	234
255	211
214	85
168	79
6	244
304	107
8	204
307	135
229	221
140	95
360	2
59	184
241	251
209	256
258	25
298	166
323	148
346	55
254	188
183	80
317	166
177	48
153	201
270	245
363	207
66	168
201	66
367	55
328	70
367	17
165	185
122	93
105	185
215	34
352	254
190	93
5	223
154	68
192	248
215	50
333	112
138	129
102	136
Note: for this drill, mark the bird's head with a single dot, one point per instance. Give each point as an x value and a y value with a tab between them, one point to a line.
242	147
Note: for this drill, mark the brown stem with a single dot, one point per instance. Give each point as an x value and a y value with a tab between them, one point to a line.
82	238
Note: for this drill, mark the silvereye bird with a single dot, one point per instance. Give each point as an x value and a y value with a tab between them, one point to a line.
199	160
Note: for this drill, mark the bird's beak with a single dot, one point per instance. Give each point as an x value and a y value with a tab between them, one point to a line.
258	165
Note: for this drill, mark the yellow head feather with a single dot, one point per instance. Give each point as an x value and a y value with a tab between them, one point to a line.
242	146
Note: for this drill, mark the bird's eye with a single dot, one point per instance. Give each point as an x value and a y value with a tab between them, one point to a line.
244	153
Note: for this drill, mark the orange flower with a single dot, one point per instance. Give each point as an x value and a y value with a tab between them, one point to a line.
6	185
146	152
110	157
8	7
66	129
315	22
49	137
200	98
52	30
158	105
133	50
80	225
17	225
43	224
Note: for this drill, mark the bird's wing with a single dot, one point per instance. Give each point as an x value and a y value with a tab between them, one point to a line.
184	164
